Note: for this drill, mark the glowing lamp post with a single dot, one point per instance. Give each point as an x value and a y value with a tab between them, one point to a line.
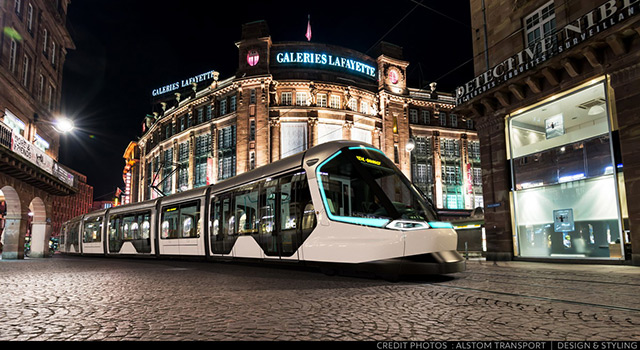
63	125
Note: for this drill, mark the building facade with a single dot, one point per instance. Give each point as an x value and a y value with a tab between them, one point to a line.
555	103
287	97
33	45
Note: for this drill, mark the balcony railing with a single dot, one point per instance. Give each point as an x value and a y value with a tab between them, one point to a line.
17	147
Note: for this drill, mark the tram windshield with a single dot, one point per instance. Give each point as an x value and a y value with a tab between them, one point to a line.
361	185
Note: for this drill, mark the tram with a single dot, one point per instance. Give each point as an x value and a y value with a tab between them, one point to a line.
339	205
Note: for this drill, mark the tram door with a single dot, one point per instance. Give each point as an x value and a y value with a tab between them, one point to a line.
279	231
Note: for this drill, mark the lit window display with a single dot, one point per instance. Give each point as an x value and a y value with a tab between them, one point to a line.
565	189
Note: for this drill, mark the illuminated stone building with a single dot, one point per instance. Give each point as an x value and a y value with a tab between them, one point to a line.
555	103
287	97
33	44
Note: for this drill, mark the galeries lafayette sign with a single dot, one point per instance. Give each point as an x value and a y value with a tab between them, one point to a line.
593	22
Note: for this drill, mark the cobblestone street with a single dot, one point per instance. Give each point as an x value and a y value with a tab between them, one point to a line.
80	298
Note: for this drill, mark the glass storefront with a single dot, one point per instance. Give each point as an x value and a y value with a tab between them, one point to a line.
565	192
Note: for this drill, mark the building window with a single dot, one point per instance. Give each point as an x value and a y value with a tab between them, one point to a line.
252	97
334	102
202	151
353	104
454	120
286	99
252	130
209	112
252	160
14	122
469	124
396	154
232	104
420	173
450	147
51	96
223	106
322	100
40	87
421	146
227	152
443	119
30	18
539	23
41	143
199	115
453	201
45	41
53	53
426	117
12	56
301	98
17	7
25	71
477	176
413	116
183	171
166	170
293	138
474	149
364	107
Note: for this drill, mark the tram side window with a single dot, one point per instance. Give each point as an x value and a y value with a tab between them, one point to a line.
170	222
181	221
287	205
189	220
73	238
268	206
246	209
92	229
308	214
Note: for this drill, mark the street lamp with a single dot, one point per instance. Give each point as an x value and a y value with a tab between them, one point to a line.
63	125
411	145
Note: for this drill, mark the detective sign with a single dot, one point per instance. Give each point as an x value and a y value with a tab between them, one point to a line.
593	22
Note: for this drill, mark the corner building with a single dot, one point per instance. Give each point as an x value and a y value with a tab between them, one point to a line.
290	96
555	101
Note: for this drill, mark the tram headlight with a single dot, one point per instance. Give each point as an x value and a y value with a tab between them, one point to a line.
407	225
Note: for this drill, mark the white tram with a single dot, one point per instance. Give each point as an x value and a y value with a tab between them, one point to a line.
341	204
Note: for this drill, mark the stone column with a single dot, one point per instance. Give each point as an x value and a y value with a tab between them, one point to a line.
313	130
496	187
274	131
12	239
40	235
625	83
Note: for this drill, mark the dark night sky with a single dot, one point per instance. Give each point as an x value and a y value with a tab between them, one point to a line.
126	48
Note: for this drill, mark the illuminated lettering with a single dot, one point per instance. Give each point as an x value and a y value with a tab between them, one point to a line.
325	59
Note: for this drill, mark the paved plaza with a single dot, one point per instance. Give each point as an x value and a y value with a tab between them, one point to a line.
90	298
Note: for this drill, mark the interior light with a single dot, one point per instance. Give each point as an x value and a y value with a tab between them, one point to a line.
596	110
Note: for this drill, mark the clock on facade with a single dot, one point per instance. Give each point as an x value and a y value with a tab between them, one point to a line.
393	76
253	57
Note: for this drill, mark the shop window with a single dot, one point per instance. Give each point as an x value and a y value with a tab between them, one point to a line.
359	134
293	138
565	195
329	132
